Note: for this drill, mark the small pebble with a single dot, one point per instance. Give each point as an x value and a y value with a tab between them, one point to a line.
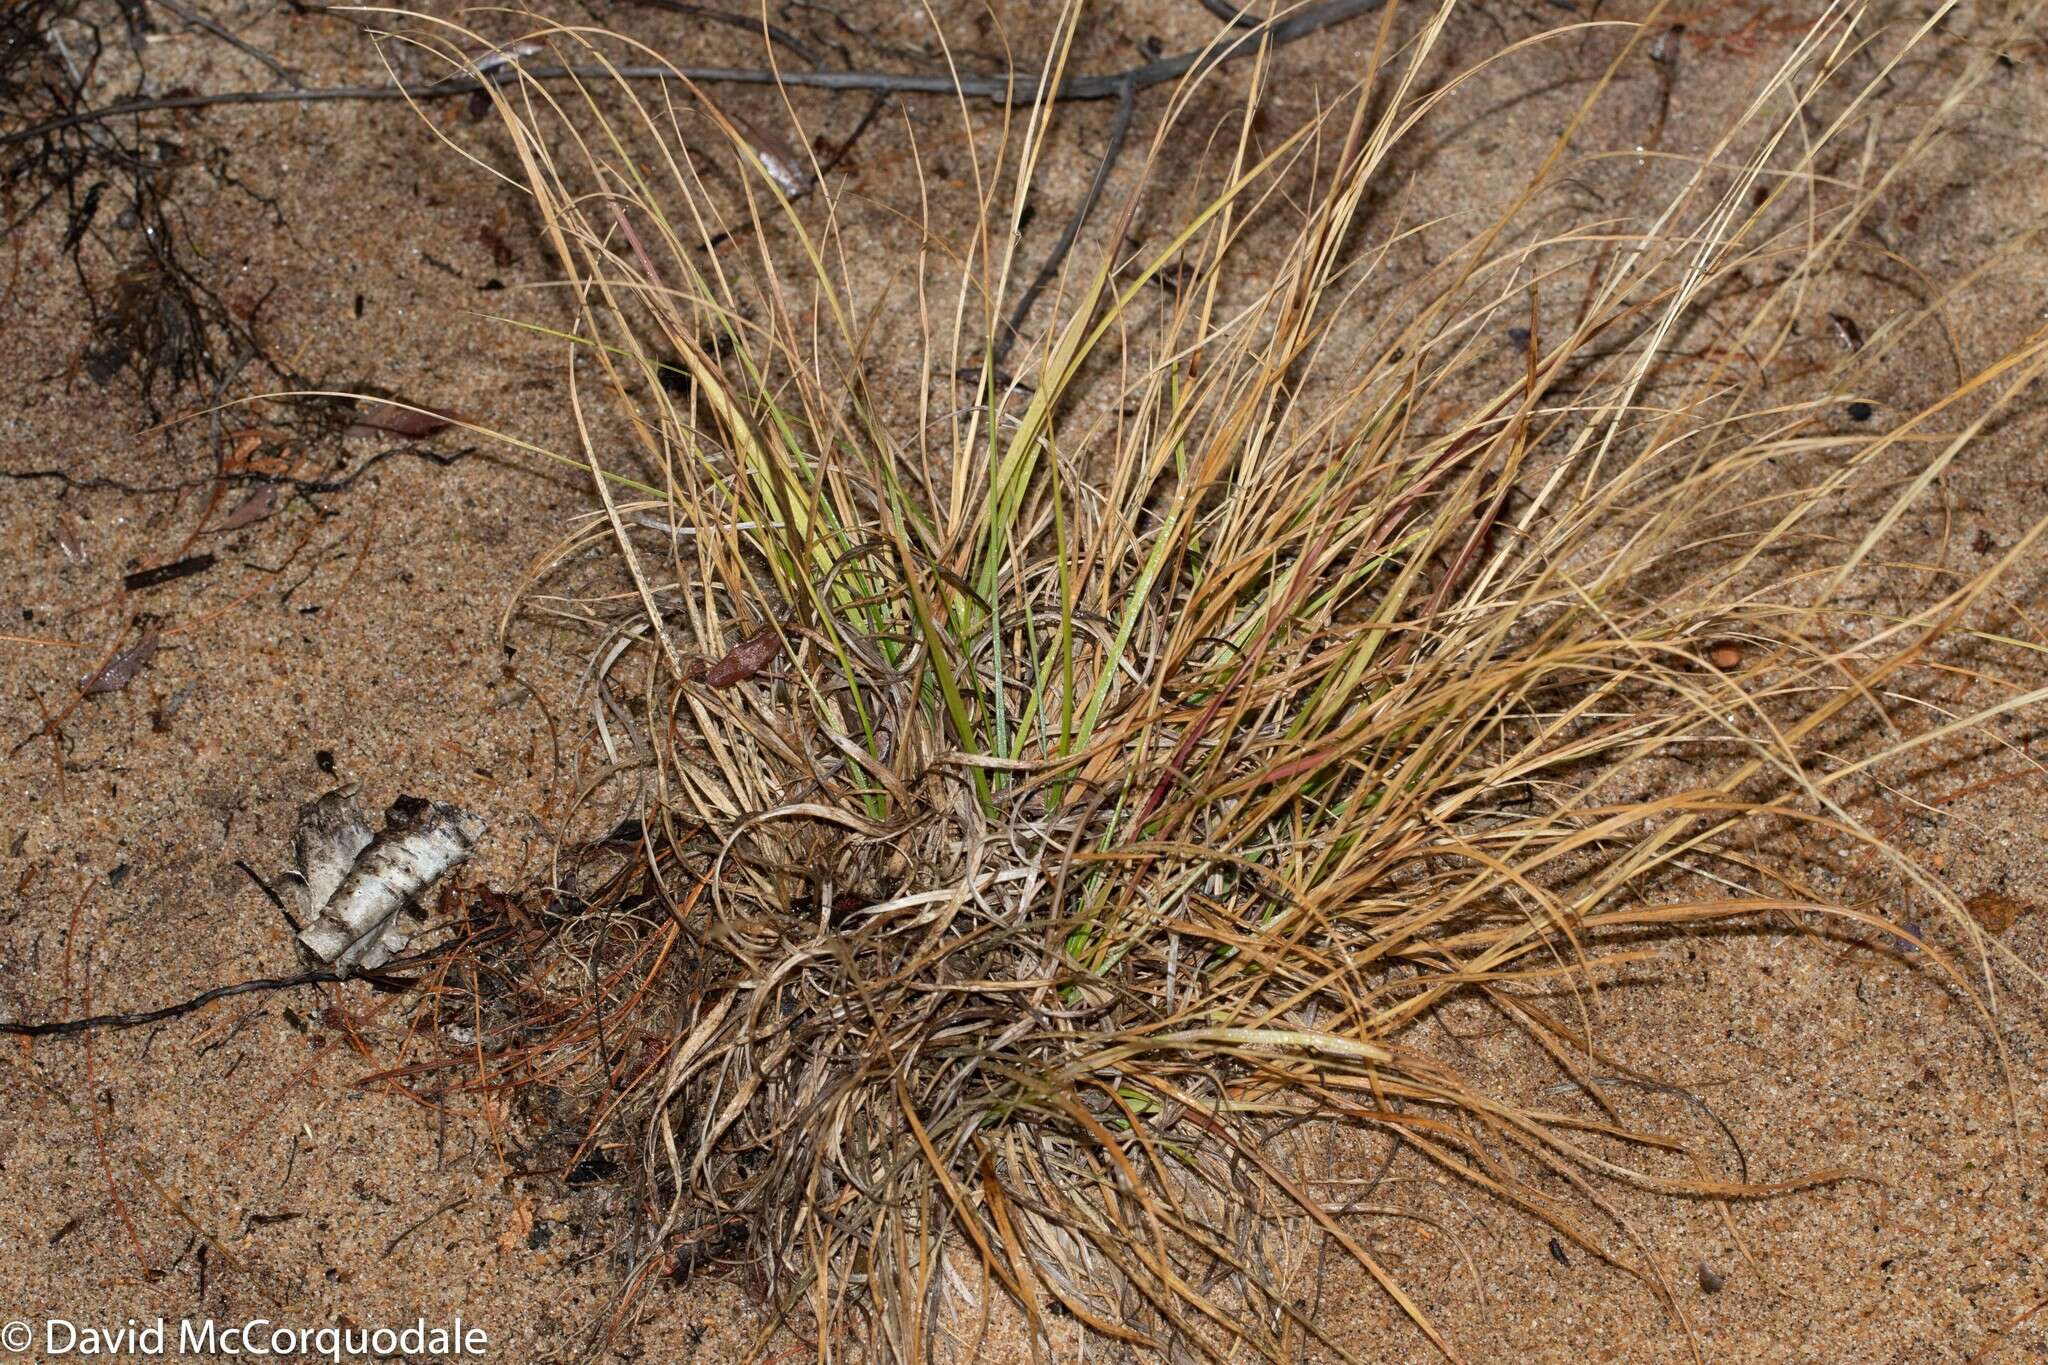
1711	1279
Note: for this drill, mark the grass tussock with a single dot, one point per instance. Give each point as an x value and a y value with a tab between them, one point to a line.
1065	783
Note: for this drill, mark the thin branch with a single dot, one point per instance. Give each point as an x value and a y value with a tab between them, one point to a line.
1013	89
64	1028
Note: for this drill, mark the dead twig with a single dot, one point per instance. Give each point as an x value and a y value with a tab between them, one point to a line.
1012	89
66	1028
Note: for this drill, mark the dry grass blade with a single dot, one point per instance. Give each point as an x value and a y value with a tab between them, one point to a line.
1104	767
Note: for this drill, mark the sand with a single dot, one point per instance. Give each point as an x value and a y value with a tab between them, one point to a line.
232	1165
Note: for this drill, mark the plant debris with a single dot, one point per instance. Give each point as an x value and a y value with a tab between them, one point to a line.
120	670
72	543
167	573
251	509
352	885
391	417
1996	911
746	659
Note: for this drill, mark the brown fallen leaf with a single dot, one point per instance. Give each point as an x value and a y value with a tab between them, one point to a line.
393	418
1996	911
748	657
255	507
121	669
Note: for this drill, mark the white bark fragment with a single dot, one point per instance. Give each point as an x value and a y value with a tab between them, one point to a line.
357	884
332	832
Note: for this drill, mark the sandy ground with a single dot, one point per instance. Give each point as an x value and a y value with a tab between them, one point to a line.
229	1165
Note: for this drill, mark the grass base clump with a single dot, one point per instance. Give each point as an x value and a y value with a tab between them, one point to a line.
1064	787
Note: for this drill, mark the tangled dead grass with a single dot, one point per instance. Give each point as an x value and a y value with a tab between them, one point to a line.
1056	791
